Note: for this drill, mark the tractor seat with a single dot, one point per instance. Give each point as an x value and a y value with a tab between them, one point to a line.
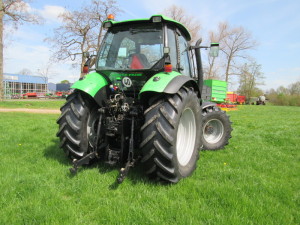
138	61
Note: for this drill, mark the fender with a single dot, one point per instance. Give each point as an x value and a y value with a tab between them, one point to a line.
208	104
93	84
169	83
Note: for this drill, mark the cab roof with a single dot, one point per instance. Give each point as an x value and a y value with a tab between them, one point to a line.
180	26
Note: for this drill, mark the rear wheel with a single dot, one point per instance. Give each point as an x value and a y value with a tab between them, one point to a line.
78	125
170	143
216	128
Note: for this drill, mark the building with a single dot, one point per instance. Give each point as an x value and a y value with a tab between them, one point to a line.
52	87
63	87
16	84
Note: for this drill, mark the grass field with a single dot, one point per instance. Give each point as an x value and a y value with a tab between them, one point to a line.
33	104
255	180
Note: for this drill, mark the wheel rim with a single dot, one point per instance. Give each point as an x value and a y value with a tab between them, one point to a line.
92	126
213	131
186	137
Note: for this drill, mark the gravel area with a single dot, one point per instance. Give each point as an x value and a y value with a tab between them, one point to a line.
46	111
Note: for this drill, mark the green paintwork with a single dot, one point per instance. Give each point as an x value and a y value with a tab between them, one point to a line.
160	85
91	84
164	18
218	90
128	74
116	79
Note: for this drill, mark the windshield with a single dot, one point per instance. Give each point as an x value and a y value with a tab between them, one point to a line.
131	47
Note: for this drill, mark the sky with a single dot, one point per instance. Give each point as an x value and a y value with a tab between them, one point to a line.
274	24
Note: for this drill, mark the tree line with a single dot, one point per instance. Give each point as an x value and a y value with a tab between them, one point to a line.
289	95
81	31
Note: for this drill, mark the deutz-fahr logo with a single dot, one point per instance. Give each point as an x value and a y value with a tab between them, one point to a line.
127	82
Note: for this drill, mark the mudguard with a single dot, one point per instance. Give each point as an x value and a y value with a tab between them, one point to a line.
93	84
208	104
168	83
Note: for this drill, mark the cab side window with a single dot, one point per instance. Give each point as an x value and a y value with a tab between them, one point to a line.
184	56
173	47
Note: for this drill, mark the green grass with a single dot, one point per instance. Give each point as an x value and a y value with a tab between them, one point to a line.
255	180
33	104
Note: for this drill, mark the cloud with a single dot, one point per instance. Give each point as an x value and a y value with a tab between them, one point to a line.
33	57
20	7
19	56
51	13
282	77
24	33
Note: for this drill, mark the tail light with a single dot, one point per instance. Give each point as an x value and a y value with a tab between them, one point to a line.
168	68
85	69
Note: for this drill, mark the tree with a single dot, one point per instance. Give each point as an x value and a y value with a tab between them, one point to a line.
234	43
81	31
281	90
294	88
179	14
25	71
65	82
212	70
46	72
16	12
285	95
250	77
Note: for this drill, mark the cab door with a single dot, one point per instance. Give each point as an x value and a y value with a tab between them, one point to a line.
183	55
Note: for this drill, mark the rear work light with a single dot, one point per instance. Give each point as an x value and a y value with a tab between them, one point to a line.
156	19
107	24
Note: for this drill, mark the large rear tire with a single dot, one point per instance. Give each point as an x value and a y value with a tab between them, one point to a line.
77	125
216	128
170	143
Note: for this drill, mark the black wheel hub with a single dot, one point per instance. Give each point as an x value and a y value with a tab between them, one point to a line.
92	127
209	129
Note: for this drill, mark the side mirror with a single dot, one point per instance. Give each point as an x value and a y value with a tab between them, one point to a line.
214	50
198	42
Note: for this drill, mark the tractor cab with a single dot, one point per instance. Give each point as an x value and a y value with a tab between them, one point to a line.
135	50
130	48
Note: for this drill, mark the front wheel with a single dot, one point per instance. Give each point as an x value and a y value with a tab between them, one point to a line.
216	128
170	143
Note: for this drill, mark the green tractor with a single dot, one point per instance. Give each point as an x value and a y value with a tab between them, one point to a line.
142	103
